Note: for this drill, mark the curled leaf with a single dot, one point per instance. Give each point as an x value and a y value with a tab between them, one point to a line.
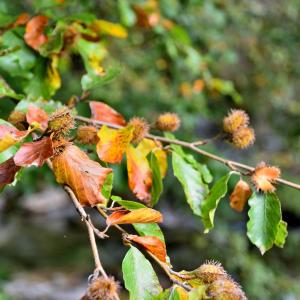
34	33
83	175
140	215
34	153
240	195
152	243
37	116
103	112
113	143
8	170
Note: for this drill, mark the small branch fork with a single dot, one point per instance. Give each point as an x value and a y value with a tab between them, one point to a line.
233	165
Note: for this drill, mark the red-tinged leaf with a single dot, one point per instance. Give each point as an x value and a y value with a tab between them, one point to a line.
84	176
22	19
113	143
10	135
103	112
37	115
8	170
34	32
140	215
151	243
34	153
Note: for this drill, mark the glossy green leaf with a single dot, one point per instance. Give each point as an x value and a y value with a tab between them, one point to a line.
139	277
282	234
191	180
157	184
6	90
212	200
264	219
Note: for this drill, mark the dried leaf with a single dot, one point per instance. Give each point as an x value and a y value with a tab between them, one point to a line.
263	176
37	116
10	135
34	153
152	243
140	215
8	170
34	33
240	195
113	143
103	112
84	176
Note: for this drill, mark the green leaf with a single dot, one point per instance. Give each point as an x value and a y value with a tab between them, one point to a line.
6	90
139	277
264	219
282	234
211	202
127	14
157	185
48	106
108	185
130	205
90	81
10	152
191	179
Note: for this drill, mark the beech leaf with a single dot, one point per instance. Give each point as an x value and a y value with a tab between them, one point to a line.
84	176
34	153
282	234
240	195
36	115
8	170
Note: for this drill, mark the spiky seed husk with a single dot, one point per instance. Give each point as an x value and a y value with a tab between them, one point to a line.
225	289
103	289
17	118
236	119
140	129
243	137
87	135
210	271
168	122
61	122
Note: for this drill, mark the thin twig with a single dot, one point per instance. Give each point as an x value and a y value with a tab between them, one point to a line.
229	163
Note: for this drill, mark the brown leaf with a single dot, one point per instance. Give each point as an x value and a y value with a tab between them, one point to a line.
103	112
34	32
8	170
22	19
240	195
263	176
84	176
37	115
151	243
140	215
10	135
113	143
34	153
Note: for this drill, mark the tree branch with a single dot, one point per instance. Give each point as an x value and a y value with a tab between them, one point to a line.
233	165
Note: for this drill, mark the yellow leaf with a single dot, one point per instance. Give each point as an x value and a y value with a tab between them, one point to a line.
113	143
113	29
10	135
53	79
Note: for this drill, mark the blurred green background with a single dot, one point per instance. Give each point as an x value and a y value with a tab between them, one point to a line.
198	58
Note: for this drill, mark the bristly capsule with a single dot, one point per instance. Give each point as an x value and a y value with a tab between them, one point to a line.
236	119
168	122
243	137
140	129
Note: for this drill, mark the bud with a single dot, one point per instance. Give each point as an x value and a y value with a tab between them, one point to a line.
61	122
17	118
168	122
263	176
236	119
210	271
140	129
87	135
243	137
225	289
102	289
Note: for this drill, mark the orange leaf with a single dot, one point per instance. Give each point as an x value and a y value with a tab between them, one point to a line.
263	176
34	32
37	115
113	143
34	153
103	112
140	215
22	19
240	195
84	176
8	170
10	135
151	243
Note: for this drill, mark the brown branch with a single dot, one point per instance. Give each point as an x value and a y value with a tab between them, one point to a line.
233	165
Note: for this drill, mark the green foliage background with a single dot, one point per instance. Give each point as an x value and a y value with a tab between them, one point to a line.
247	54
